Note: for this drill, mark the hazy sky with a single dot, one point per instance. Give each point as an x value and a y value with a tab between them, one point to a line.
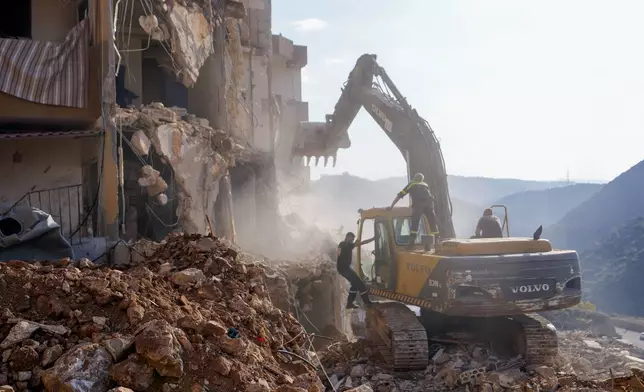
512	88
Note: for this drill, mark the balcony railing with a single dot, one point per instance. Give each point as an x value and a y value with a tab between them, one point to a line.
64	204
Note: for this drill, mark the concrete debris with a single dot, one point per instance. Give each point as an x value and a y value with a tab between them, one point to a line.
199	326
590	357
140	143
150	24
351	366
189	28
198	155
152	180
162	199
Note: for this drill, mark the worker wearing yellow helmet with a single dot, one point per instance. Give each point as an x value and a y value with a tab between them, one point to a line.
422	203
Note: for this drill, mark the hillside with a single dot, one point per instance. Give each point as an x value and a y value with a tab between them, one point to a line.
481	190
616	203
546	207
333	201
613	270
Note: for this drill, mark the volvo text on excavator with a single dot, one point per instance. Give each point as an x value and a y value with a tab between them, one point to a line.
484	289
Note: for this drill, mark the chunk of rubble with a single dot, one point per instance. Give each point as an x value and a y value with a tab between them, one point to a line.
23	329
157	343
593	345
188	277
134	372
86	364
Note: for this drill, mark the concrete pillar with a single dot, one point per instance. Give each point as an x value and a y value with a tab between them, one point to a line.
224	221
108	208
245	207
268	220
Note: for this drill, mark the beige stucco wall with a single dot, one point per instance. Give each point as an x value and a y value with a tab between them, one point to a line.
256	117
286	84
43	164
51	20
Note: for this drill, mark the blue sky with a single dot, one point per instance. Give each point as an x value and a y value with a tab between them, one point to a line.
512	88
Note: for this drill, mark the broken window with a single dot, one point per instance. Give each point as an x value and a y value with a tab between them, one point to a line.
159	83
15	19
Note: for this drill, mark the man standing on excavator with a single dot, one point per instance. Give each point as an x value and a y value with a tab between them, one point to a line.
422	203
345	254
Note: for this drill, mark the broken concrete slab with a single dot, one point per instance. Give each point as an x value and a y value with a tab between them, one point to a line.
192	39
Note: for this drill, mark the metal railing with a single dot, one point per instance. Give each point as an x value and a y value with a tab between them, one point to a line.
64	204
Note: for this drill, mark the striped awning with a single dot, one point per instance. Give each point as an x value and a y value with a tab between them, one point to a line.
47	72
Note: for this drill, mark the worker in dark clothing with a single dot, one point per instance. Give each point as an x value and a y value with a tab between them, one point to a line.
488	226
422	203
345	254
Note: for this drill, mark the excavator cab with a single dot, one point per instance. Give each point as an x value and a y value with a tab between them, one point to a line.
392	235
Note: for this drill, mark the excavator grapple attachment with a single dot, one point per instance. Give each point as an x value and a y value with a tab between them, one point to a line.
315	140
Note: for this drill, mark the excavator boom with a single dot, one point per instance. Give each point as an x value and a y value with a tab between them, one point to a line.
481	289
369	87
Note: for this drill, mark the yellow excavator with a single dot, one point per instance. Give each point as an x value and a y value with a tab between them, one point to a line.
474	289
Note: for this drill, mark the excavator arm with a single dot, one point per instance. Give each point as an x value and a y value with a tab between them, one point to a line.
369	87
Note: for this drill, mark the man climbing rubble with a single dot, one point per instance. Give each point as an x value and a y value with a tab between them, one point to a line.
422	203
345	255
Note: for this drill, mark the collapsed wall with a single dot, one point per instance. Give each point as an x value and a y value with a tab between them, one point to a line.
197	155
313	292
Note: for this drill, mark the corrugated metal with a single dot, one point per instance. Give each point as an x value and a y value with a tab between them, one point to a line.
46	134
47	72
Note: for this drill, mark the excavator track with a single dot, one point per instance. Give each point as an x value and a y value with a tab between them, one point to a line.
529	335
403	341
401	337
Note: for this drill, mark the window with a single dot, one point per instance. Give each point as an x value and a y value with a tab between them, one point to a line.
402	230
15	19
367	251
382	246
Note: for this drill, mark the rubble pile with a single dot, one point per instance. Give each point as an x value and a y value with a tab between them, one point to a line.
582	320
185	316
359	365
592	357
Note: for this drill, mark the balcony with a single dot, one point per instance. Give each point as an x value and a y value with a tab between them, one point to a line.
300	57
48	85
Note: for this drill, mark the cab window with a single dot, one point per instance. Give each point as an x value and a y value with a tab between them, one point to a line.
402	230
366	251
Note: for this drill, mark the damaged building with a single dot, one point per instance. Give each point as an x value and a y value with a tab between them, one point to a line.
126	119
122	121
